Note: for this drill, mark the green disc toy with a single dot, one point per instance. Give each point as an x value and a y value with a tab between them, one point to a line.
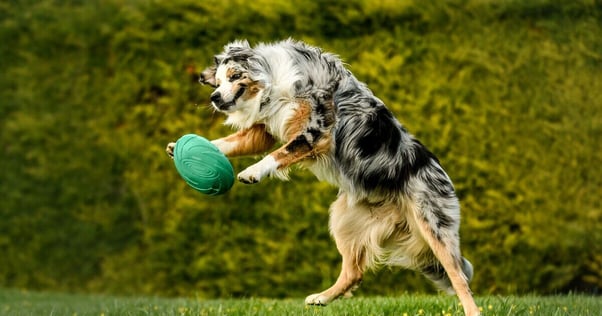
202	165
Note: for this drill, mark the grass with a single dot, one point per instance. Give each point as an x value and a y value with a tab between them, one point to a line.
15	302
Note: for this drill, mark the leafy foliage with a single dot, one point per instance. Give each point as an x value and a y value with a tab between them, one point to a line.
506	93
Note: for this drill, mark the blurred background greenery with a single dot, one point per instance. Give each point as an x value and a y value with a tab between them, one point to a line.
507	93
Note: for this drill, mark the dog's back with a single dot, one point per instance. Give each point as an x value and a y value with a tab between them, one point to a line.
373	152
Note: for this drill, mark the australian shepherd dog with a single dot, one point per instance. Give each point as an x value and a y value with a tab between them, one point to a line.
396	206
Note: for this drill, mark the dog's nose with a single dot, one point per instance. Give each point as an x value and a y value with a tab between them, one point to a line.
216	97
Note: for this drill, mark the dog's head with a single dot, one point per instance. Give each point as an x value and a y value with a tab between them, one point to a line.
235	89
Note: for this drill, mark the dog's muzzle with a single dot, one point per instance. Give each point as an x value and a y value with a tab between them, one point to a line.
216	97
218	102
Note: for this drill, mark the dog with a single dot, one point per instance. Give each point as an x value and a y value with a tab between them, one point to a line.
396	205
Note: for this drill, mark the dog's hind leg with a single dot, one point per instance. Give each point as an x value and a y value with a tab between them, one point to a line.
353	265
348	280
442	237
436	273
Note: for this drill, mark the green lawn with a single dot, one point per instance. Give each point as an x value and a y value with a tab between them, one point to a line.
14	302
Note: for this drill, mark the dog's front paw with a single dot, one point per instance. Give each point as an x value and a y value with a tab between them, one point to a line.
258	171
169	149
317	299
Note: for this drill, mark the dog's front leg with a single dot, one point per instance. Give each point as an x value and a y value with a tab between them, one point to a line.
253	174
250	141
308	132
292	152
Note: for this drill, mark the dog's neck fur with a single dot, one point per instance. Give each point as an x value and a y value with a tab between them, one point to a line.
273	113
246	116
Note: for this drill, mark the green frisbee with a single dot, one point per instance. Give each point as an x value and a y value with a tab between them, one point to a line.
202	165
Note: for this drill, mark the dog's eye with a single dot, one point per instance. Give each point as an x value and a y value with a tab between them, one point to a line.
235	76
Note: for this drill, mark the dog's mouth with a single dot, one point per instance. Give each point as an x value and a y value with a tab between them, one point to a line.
221	105
224	107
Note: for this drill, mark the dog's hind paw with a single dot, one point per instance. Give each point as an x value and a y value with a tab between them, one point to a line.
317	299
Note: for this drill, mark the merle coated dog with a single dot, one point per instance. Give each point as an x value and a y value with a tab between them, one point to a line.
396	205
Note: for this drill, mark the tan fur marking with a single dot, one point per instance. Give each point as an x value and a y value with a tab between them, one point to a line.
287	158
451	266
253	87
329	114
323	145
296	125
230	72
250	141
284	158
354	261
298	122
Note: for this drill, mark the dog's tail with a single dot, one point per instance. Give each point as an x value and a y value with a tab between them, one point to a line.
437	274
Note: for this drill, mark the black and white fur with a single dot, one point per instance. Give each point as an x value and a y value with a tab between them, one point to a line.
396	205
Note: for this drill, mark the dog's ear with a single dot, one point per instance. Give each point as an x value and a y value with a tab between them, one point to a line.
237	45
208	76
239	51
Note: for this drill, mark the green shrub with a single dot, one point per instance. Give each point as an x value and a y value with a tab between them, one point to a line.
506	93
